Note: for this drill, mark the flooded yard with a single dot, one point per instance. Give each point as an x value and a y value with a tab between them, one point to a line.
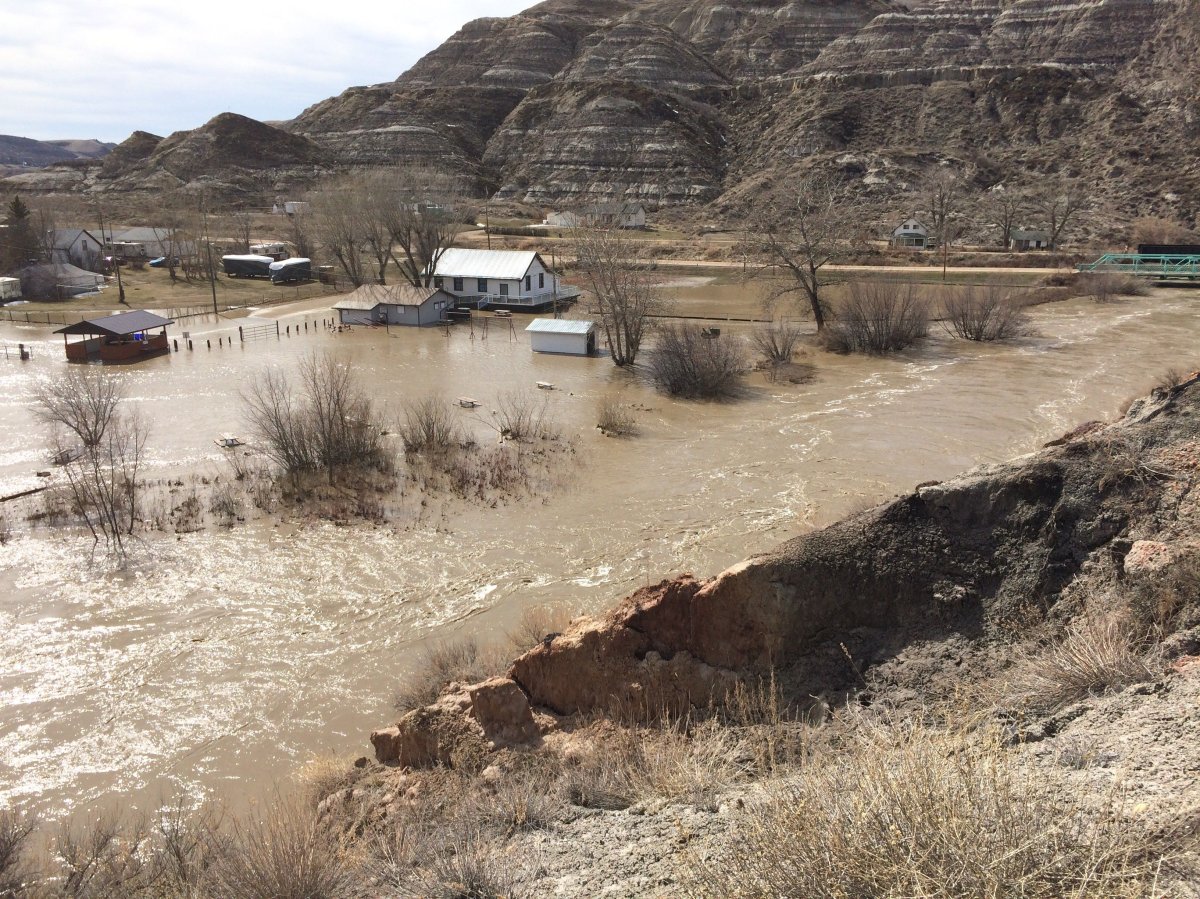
227	656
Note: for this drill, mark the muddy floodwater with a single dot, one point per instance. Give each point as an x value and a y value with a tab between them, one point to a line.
227	657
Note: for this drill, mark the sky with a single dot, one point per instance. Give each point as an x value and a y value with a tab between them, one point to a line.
103	69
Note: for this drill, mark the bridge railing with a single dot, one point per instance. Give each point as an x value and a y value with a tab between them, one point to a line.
1145	265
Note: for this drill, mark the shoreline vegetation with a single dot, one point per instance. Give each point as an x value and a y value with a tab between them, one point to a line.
973	746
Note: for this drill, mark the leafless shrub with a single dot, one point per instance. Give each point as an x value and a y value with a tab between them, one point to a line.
1170	379
615	419
224	502
776	343
877	318
983	314
903	810
101	858
14	835
1107	287
523	417
460	660
470	866
1169	599
102	449
1099	652
429	424
536	624
5	531
283	852
332	424
688	361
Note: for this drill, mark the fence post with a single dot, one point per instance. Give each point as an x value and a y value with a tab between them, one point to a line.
241	336
277	328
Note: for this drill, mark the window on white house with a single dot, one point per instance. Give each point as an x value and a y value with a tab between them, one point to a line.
437	282
541	280
482	285
503	290
528	282
458	284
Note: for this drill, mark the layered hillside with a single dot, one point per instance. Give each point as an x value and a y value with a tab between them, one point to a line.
704	102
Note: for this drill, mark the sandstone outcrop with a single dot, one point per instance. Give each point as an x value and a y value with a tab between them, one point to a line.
708	102
954	561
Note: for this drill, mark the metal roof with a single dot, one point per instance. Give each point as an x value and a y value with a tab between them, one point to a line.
560	326
120	325
502	265
371	295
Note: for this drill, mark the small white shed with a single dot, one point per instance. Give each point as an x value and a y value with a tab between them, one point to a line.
10	289
564	336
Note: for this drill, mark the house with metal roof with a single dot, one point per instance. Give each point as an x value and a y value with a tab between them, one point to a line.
1029	240
75	246
395	304
912	235
122	338
563	336
500	279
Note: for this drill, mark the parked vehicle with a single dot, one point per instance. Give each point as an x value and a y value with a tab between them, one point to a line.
286	271
247	266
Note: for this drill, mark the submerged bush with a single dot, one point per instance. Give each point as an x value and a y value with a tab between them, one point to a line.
877	318
983	314
693	362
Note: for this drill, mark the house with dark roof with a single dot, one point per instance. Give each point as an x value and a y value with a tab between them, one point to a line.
75	246
395	304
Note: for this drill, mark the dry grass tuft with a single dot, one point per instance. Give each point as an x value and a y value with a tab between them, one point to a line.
1099	652
283	852
536	624
461	660
902	810
614	419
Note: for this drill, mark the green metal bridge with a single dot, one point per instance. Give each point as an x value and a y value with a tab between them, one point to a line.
1158	267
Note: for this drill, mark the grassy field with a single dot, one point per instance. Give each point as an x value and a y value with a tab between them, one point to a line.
153	289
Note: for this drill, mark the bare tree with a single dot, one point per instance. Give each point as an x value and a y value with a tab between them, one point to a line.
338	229
425	210
1005	208
242	224
332	424
102	471
1060	205
776	342
944	198
622	291
800	235
300	233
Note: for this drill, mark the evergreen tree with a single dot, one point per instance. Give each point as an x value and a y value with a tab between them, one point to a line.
18	243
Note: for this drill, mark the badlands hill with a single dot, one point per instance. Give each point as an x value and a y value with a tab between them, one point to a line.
702	102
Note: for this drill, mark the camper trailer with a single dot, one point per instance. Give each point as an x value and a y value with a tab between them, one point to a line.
285	271
274	249
252	266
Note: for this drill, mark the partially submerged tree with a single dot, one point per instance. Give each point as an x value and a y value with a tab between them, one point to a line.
802	233
330	424
621	288
20	245
877	318
695	362
100	448
983	314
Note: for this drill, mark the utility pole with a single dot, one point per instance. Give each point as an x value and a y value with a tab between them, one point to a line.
116	259
212	275
487	219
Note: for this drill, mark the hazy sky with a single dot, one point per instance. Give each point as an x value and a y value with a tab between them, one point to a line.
102	69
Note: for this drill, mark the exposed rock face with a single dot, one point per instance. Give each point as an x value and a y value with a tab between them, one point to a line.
952	562
699	101
491	715
24	151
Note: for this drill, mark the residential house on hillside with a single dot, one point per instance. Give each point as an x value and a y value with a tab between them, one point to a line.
395	304
155	242
911	235
512	279
1028	240
75	246
601	215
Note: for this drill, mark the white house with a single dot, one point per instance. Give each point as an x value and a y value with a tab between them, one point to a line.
601	215
10	289
75	246
563	336
394	304
911	235
513	279
1029	240
155	242
290	207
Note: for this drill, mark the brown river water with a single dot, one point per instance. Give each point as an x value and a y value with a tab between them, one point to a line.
226	658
